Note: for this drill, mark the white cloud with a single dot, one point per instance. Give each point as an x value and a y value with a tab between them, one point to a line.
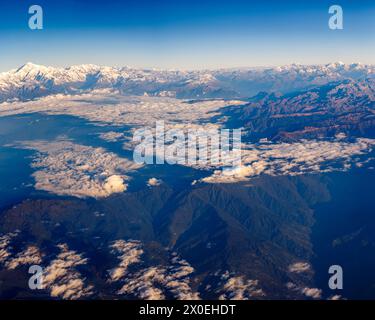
306	156
313	293
177	279
62	279
239	288
336	297
111	136
142	284
152	282
30	256
106	107
299	267
129	252
153	182
65	168
114	184
5	246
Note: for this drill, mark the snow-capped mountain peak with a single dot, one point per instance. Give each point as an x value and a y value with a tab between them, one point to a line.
31	80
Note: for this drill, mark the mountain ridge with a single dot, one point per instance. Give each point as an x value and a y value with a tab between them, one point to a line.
31	81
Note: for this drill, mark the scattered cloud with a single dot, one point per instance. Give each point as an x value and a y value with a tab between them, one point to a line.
336	297
114	184
300	267
11	259
151	282
104	107
239	288
61	277
5	246
66	168
306	156
313	293
129	252
143	284
30	256
155	282
111	136
153	182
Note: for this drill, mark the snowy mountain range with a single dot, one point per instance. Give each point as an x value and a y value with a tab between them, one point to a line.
31	81
103	227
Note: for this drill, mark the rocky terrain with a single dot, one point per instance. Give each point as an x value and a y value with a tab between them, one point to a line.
346	107
251	234
31	81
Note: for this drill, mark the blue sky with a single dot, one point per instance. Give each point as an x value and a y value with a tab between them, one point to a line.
185	34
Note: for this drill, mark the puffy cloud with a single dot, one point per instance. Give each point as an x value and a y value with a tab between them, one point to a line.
306	156
65	168
129	252
336	297
111	136
30	256
142	284
61	277
313	293
230	175
177	279
340	136
239	288
106	107
5	248
153	182
299	267
114	184
151	282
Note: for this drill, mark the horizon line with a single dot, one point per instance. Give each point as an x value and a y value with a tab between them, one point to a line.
187	69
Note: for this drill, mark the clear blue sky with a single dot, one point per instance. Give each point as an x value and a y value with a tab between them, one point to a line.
185	34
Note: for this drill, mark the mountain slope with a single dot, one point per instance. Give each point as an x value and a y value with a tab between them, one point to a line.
338	107
254	231
31	81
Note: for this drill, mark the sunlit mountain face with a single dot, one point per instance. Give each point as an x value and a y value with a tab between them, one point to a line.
34	81
74	201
